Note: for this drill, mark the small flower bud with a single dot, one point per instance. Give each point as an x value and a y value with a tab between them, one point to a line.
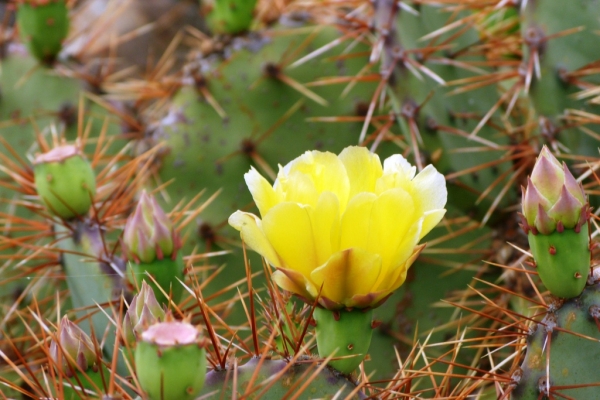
65	181
143	311
74	350
148	233
170	361
555	216
552	196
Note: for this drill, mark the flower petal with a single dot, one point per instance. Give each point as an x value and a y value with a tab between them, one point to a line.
543	222
252	234
323	169
397	173
430	220
567	209
355	223
391	219
397	163
347	273
300	188
547	175
262	192
288	228
325	219
572	185
430	189
397	265
531	201
398	280
378	224
363	169
369	300
294	282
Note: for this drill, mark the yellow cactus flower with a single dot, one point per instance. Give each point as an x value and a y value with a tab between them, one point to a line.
343	226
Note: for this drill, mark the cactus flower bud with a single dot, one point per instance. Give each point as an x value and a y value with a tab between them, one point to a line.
555	216
143	311
151	245
65	181
553	200
148	233
75	347
170	361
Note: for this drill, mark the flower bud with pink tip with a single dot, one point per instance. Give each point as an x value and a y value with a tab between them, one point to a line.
143	311
151	244
555	216
149	233
553	199
74	350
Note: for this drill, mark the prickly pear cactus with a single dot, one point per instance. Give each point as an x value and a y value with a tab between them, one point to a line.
559	55
562	351
276	379
475	89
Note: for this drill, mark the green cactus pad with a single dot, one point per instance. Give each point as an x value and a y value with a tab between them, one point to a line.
43	27
553	94
171	361
166	272
300	379
563	260
570	337
65	182
344	334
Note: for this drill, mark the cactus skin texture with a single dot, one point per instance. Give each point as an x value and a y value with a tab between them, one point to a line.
567	340
344	334
562	260
43	25
327	384
553	95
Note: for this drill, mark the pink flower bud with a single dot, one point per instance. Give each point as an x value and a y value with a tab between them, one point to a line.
74	350
148	232
553	197
143	311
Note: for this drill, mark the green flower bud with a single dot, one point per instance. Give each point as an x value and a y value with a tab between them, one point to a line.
65	181
555	215
143	311
148	233
170	361
74	350
43	25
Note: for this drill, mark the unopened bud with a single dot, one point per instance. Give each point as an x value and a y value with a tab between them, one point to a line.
555	216
170	361
65	181
74	350
552	196
148	233
143	311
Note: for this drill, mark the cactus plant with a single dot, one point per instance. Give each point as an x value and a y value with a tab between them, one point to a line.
476	89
